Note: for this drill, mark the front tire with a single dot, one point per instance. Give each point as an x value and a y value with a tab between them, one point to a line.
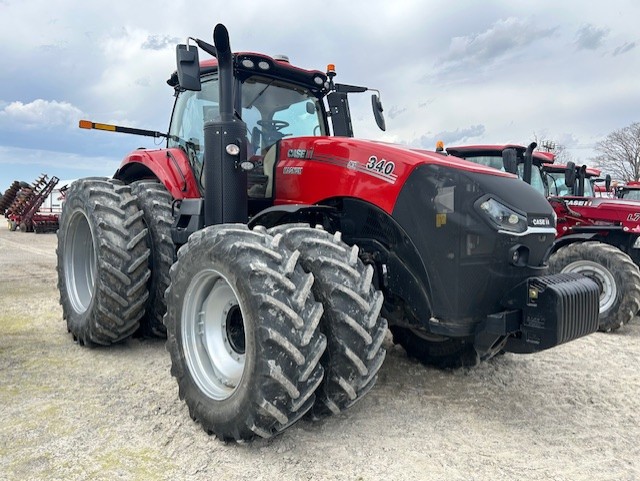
434	350
102	262
242	327
351	320
615	273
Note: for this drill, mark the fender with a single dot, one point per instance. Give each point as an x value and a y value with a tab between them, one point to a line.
399	271
169	166
616	237
288	214
570	239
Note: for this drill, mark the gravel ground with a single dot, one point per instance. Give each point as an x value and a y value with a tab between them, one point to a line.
66	412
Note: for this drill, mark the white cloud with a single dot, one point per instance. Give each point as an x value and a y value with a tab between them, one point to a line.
40	113
454	137
53	160
159	42
504	36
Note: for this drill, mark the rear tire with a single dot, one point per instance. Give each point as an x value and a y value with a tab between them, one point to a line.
155	202
436	351
615	273
242	327
102	262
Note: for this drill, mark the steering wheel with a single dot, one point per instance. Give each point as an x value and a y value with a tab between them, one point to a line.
276	125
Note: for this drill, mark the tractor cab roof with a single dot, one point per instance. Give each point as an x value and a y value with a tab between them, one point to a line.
485	150
560	168
632	185
247	64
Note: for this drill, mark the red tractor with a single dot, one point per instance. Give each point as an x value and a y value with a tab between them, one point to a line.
267	241
628	191
596	236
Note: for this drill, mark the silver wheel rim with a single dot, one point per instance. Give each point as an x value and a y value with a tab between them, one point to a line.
79	262
602	276
213	336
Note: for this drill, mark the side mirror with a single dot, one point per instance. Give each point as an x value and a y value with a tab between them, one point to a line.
607	183
510	161
188	67
570	175
377	112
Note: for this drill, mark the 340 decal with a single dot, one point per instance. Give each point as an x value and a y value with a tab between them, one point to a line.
383	166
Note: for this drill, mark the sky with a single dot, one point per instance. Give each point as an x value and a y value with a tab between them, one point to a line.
461	71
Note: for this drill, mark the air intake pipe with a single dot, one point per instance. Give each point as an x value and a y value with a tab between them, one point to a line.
528	162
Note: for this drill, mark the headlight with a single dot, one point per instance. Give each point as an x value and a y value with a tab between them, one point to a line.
502	216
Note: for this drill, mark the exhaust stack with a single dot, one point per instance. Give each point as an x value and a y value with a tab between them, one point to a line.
225	147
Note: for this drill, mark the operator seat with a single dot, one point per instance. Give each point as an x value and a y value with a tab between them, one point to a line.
269	162
260	179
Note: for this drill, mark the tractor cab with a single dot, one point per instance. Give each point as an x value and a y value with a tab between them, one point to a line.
275	100
571	180
266	100
629	191
517	159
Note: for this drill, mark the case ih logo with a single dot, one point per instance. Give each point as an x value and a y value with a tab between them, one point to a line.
299	153
540	222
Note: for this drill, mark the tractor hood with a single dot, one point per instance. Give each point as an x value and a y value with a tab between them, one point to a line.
312	169
601	210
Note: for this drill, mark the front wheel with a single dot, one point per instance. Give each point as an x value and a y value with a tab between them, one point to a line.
242	327
614	272
351	320
437	351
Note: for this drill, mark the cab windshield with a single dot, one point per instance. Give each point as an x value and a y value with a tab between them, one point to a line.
557	187
272	110
496	162
630	194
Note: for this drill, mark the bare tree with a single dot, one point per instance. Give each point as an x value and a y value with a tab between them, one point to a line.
619	153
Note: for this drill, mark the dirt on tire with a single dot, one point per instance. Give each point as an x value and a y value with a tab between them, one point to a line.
70	413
